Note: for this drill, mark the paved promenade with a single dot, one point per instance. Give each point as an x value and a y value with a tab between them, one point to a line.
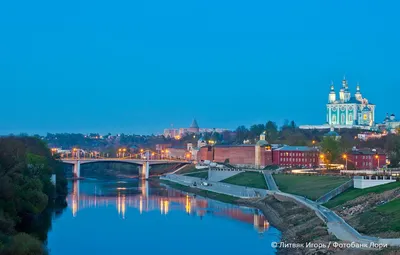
217	187
270	182
336	225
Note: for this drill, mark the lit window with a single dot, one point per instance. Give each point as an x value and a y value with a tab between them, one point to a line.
365	116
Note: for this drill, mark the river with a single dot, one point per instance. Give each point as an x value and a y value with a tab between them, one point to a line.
140	217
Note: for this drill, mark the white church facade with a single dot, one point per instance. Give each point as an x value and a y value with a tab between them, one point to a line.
349	110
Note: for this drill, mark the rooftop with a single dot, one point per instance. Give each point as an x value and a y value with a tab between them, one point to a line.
296	148
194	124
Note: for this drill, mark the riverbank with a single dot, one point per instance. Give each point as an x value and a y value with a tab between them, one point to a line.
205	193
302	222
298	224
28	196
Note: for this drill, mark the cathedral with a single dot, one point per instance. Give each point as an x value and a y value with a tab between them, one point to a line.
349	110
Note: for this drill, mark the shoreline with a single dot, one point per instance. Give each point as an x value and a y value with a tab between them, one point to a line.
293	227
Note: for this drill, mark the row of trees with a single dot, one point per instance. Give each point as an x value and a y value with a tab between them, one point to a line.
288	134
26	192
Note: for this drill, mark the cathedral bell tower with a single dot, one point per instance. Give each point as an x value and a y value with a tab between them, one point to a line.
332	95
342	90
358	94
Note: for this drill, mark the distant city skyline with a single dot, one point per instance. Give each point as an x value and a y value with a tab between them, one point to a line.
138	67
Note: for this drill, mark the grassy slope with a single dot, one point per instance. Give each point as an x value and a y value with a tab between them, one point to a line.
189	169
204	193
249	179
311	186
354	193
203	175
382	219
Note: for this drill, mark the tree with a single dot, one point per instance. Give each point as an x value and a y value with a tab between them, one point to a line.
256	130
242	133
26	165
330	149
292	125
394	152
271	130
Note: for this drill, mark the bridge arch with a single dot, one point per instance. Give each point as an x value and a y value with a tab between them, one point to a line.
144	165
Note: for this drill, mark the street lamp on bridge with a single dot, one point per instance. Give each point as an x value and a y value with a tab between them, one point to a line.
75	152
121	152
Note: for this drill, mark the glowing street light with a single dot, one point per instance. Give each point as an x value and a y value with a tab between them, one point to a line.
345	157
322	157
377	157
75	150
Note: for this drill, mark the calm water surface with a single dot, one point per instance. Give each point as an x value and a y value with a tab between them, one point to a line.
138	217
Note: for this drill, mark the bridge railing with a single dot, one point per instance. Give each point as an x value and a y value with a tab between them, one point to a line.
226	169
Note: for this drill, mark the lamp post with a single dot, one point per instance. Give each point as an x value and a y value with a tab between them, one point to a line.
345	157
377	157
75	150
322	157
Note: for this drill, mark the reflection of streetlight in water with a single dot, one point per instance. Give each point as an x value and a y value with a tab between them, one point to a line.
75	198
121	205
260	223
188	205
164	206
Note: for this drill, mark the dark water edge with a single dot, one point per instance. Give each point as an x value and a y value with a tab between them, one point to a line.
171	215
39	225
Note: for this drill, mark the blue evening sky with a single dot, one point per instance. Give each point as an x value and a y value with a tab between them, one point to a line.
140	66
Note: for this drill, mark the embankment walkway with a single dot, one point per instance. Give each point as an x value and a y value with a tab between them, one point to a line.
336	225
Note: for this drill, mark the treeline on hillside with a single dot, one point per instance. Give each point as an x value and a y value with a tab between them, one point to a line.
26	191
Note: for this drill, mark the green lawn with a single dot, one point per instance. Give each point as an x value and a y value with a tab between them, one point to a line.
203	175
204	193
249	179
189	169
354	193
382	219
311	186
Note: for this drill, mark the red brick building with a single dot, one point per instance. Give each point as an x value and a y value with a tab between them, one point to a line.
243	155
261	155
296	156
367	159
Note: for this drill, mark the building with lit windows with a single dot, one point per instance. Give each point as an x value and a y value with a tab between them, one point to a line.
367	159
390	124
260	155
298	156
194	128
349	110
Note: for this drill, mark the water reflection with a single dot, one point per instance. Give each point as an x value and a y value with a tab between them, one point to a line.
137	195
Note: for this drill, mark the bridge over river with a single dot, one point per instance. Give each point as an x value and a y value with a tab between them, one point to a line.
144	164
